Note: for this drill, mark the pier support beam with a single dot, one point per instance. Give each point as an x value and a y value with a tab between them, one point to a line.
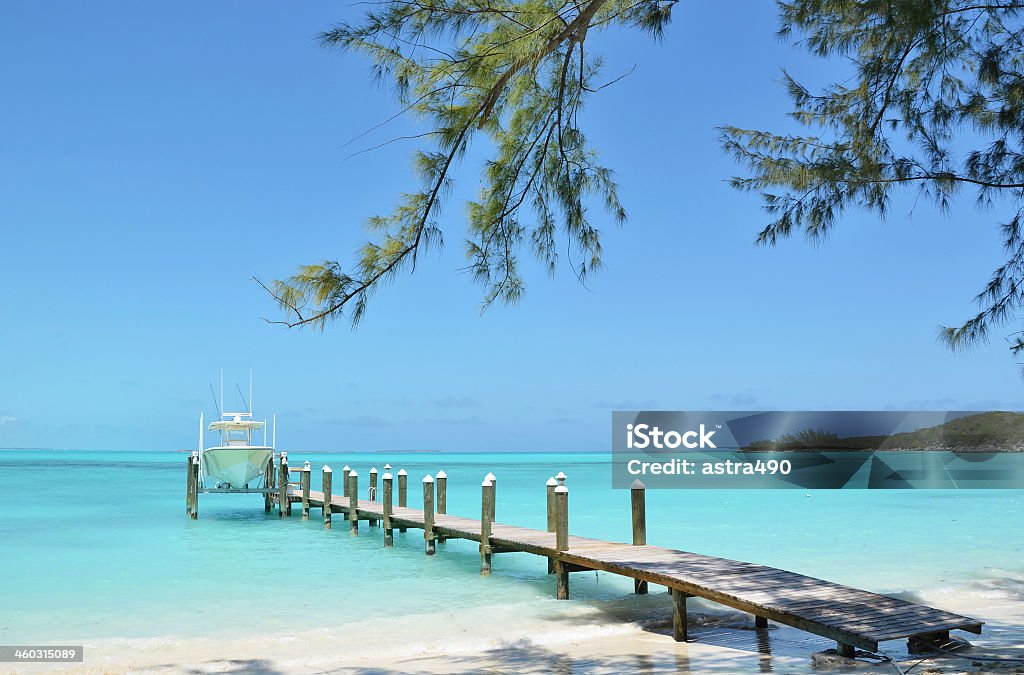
760	622
551	485
328	477
678	615
441	481
268	484
345	471
428	514
638	497
845	650
403	492
353	502
389	533
371	493
284	504
304	482
561	580
189	487
561	541
195	485
486	520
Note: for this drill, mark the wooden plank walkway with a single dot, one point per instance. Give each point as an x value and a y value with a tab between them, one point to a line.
850	616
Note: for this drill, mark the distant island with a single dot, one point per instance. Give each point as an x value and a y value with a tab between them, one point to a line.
984	432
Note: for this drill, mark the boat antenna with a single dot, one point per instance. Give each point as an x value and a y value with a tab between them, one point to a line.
243	398
222	392
214	395
250	390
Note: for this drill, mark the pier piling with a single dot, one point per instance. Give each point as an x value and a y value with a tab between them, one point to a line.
371	493
442	490
284	504
353	502
551	485
561	541
345	471
638	498
268	485
678	615
389	534
195	485
189	488
304	482
403	492
325	505
486	521
441	507
428	513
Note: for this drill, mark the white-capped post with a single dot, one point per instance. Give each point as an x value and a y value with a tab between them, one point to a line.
486	521
494	482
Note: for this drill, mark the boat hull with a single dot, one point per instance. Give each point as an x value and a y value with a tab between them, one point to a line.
235	466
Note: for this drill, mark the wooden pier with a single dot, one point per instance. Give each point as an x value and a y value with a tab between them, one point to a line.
853	618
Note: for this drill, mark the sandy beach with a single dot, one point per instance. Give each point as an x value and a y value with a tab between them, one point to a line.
579	640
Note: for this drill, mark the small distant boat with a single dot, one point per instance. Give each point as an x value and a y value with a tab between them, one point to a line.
236	463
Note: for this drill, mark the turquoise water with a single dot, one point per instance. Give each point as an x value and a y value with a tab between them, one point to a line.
97	546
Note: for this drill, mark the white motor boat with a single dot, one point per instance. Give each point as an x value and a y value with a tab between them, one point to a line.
236	463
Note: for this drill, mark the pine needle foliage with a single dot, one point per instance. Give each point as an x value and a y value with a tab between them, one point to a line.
516	72
936	103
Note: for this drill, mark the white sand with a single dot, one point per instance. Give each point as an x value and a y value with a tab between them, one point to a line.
572	638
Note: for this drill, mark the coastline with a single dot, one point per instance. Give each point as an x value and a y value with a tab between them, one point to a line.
572	638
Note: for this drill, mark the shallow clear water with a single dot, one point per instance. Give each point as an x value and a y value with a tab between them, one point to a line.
97	545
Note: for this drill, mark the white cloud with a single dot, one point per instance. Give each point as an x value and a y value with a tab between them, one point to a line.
7	419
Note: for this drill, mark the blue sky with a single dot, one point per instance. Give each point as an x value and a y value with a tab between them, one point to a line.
157	155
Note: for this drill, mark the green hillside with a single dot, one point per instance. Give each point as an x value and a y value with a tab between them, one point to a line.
984	432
